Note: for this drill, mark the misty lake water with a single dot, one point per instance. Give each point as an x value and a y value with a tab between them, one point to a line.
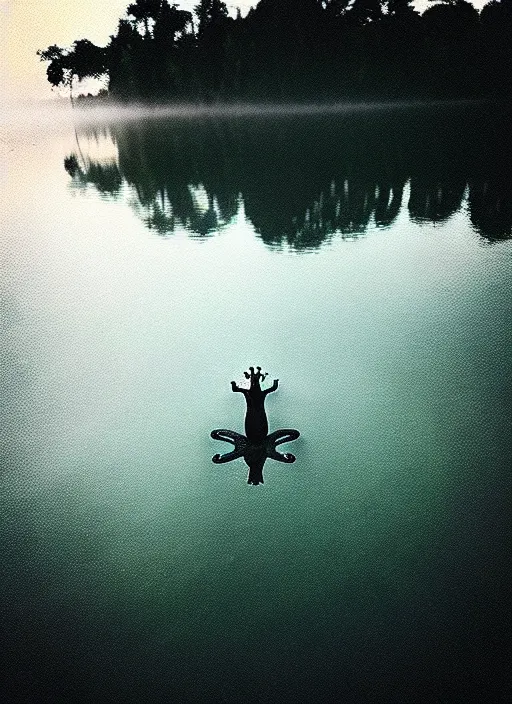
364	259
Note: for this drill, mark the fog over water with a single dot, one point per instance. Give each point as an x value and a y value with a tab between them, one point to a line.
42	113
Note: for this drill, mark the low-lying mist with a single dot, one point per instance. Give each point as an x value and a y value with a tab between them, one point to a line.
54	112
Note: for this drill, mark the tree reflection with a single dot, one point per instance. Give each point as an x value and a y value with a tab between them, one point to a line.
490	208
106	177
435	201
304	180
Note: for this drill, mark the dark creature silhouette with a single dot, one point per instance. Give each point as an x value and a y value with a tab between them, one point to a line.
256	445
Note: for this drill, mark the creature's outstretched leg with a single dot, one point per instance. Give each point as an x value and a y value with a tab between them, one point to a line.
277	438
283	435
280	457
236	439
234	455
228	436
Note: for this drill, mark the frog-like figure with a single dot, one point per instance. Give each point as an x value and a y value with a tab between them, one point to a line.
256	445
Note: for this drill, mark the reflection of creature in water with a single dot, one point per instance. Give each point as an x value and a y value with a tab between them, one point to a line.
257	444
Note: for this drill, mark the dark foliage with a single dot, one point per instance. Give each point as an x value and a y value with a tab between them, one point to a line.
299	50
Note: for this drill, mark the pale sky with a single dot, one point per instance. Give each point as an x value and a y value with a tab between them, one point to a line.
29	25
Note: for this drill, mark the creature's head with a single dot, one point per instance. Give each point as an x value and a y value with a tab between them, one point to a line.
255	376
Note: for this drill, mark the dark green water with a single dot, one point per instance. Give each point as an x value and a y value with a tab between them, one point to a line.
365	261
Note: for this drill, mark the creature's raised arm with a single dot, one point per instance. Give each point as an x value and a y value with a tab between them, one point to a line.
272	388
234	387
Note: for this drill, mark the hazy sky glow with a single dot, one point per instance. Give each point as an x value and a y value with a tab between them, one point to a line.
29	25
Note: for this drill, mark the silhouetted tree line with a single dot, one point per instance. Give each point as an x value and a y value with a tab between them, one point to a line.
297	50
304	180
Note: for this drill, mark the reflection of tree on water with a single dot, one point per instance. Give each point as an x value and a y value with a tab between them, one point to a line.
164	212
435	201
106	177
304	180
490	208
161	209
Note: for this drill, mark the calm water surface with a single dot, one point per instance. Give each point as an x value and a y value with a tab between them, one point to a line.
365	261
